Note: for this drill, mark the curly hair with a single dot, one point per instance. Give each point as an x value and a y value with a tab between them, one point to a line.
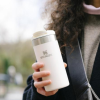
66	19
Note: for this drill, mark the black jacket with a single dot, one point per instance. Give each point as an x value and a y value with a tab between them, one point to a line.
66	93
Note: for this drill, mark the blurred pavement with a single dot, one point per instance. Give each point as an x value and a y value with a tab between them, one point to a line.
15	94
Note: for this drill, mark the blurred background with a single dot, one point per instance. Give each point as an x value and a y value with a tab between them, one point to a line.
19	19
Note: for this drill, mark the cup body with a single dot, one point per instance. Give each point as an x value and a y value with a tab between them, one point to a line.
46	49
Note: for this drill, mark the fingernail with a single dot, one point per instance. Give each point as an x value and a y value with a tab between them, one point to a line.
47	73
49	81
42	64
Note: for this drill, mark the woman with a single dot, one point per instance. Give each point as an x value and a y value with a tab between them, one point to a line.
70	19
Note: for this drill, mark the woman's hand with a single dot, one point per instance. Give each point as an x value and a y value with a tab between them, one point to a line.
37	77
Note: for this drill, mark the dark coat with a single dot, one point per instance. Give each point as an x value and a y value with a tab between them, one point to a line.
66	93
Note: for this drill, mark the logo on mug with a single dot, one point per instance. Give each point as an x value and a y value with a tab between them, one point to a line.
45	54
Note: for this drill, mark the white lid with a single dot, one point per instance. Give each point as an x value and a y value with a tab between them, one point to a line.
42	33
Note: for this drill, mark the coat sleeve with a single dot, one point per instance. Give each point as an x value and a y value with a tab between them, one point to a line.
30	92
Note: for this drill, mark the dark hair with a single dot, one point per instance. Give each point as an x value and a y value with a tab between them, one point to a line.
67	20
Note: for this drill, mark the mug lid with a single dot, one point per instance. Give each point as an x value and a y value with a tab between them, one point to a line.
39	34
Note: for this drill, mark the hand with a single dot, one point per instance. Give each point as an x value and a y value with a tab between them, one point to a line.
37	77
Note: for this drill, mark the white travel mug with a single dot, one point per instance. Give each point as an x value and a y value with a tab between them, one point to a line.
46	49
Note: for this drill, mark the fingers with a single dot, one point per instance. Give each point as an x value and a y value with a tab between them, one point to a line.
37	65
65	64
41	74
38	82
42	83
45	93
37	75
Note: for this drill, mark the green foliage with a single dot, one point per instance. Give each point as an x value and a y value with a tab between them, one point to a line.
6	64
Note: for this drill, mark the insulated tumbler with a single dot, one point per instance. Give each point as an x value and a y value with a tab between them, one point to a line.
46	49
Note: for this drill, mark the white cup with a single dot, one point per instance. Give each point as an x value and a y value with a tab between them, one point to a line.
46	49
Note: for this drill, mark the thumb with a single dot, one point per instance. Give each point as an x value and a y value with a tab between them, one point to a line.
65	64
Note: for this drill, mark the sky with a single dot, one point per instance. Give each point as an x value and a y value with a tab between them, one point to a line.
19	19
